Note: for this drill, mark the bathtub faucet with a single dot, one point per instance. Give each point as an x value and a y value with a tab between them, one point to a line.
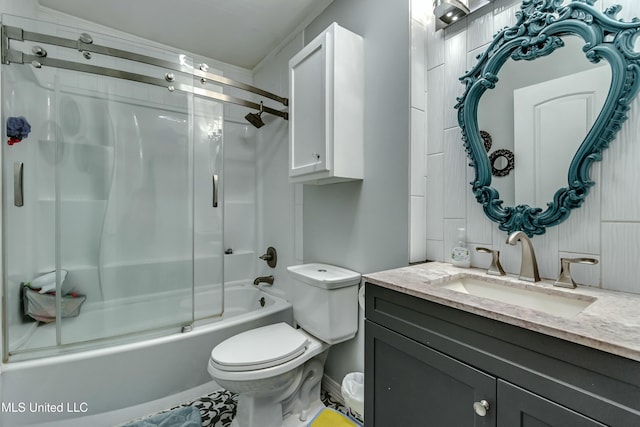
263	279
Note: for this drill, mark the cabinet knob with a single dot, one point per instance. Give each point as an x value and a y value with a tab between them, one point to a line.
481	407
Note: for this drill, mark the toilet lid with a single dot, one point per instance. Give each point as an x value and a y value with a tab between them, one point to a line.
259	348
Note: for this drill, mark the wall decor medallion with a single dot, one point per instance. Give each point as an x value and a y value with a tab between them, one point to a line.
502	162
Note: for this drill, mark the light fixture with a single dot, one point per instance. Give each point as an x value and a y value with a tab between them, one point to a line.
448	11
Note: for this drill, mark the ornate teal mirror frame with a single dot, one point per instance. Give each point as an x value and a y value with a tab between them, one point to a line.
540	26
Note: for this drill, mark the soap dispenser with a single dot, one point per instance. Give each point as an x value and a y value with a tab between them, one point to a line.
460	254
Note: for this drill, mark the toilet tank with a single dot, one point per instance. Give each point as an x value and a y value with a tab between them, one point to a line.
325	301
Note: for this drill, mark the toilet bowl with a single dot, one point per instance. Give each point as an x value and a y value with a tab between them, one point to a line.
272	381
276	370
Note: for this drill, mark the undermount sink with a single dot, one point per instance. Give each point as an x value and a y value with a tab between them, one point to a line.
547	301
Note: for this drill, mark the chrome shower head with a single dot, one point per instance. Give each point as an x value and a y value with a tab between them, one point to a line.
255	118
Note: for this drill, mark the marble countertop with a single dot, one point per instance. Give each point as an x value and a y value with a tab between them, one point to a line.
610	323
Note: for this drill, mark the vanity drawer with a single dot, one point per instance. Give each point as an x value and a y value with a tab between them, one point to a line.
600	385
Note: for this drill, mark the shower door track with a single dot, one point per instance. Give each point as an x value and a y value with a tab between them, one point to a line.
85	46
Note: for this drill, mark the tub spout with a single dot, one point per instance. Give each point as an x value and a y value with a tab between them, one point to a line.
263	279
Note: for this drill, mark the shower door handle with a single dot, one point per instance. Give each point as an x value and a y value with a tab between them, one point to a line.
214	201
18	175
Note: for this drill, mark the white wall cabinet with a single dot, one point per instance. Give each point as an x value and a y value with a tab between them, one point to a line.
326	113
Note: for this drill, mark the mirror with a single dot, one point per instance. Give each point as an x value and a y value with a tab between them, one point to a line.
540	112
552	92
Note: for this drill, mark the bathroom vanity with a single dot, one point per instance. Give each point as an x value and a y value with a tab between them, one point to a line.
435	356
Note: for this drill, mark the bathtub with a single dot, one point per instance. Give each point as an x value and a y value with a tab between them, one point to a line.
93	382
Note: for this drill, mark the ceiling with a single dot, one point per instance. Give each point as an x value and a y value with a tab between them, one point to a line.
238	32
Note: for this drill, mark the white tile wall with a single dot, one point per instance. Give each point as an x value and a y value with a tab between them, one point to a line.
620	172
606	227
504	15
418	236
580	233
455	182
418	50
435	109
480	28
455	57
417	214
620	266
435	249
418	161
420	11
435	46
435	196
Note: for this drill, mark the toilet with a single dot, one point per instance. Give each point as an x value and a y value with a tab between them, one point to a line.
276	370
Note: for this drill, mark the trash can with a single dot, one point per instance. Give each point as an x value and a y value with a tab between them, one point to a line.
353	394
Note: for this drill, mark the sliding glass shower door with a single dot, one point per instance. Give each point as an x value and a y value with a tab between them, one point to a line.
112	209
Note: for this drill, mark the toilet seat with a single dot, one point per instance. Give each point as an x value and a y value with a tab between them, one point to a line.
259	348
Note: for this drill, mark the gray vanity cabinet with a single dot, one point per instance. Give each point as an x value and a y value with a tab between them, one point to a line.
519	407
414	385
429	365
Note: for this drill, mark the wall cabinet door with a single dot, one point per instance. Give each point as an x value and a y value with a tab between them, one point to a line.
309	108
326	111
416	386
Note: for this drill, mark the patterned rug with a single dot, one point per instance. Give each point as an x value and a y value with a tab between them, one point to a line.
218	408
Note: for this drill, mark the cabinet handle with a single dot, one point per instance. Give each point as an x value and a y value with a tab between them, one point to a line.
214	197
481	408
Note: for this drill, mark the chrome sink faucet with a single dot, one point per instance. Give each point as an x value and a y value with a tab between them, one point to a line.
529	264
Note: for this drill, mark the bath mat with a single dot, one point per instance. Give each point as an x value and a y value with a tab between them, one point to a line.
186	416
331	418
217	409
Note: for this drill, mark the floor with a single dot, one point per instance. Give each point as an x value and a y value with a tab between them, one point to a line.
218	408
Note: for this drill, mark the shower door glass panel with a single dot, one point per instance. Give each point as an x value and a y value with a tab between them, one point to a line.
29	247
207	218
117	187
145	242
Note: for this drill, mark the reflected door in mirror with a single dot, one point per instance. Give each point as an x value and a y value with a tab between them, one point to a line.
551	119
